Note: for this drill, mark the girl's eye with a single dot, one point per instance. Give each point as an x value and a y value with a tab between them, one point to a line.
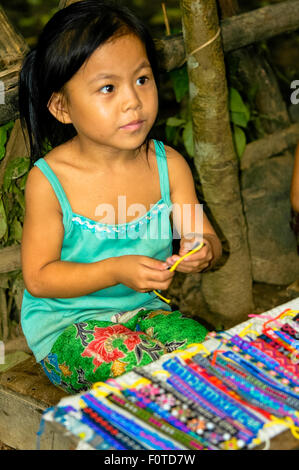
142	80
107	89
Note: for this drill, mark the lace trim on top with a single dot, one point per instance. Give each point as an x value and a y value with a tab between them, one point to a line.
92	225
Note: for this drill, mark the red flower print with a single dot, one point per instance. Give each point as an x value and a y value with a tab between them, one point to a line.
102	349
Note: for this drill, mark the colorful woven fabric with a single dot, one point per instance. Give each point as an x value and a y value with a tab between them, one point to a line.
93	351
229	393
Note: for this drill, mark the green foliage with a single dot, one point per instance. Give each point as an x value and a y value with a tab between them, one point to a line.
4	132
12	209
179	127
239	116
12	203
180	82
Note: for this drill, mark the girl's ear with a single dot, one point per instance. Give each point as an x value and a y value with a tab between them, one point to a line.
57	106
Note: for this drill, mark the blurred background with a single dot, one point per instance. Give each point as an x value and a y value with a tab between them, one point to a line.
277	61
29	17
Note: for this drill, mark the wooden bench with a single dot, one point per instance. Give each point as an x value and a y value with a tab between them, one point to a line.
25	392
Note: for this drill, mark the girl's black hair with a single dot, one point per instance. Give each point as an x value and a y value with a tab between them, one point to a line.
66	42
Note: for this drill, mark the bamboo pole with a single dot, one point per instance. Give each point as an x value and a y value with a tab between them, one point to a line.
228	290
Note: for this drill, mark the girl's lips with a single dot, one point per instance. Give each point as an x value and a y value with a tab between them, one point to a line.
133	126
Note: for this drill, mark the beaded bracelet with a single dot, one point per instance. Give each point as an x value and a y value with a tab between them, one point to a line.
130	427
220	425
277	393
144	415
217	398
192	424
122	438
257	396
285	362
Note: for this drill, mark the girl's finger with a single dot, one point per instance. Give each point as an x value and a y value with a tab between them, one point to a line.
185	267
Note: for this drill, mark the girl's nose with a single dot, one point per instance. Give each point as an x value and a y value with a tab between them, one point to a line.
131	99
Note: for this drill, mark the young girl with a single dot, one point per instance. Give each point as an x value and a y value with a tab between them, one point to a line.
89	311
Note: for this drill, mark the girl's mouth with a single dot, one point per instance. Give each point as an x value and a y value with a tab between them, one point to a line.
133	125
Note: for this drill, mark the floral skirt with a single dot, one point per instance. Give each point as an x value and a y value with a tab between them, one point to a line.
93	351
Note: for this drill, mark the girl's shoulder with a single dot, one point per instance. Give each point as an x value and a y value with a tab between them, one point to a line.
177	164
179	172
38	187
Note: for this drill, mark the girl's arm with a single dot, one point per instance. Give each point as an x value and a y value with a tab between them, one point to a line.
45	275
189	218
295	182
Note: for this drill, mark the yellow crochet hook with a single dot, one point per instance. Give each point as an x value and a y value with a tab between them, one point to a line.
197	247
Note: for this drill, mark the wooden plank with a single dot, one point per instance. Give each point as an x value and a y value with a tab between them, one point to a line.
9	108
10	258
25	393
29	380
12	45
260	24
20	419
12	50
61	439
237	31
270	145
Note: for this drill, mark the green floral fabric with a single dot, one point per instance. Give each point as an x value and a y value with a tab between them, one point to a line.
94	351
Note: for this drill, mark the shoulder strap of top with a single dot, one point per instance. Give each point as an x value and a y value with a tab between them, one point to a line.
163	171
58	189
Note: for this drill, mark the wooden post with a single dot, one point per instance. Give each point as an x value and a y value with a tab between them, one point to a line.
12	50
227	291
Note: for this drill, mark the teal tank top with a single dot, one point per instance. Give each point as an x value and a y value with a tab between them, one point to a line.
85	241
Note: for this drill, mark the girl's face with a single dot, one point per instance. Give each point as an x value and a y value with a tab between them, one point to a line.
112	99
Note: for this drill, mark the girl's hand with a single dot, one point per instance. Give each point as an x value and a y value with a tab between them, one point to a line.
194	263
142	273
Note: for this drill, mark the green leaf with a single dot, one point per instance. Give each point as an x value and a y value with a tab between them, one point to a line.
236	105
3	220
19	195
15	169
175	122
16	230
240	119
22	182
3	135
239	140
180	82
170	133
188	138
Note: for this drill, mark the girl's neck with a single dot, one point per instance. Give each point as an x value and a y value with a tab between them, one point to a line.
92	155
